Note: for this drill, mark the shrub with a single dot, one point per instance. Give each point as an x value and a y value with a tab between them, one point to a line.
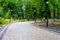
1	20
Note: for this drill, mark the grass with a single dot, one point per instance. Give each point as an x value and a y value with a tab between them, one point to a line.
21	20
4	21
1	25
7	21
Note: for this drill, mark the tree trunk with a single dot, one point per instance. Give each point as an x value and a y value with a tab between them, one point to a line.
54	14
10	16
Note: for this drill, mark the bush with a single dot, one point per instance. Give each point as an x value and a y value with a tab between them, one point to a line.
4	21
43	19
1	20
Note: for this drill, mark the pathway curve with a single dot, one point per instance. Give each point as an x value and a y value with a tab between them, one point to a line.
26	31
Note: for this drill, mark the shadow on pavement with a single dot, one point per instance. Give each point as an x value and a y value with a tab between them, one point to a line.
52	27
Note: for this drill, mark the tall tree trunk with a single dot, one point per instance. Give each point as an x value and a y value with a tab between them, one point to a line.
54	14
18	16
10	16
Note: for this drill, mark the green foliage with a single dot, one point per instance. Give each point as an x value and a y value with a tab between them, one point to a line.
1	20
18	6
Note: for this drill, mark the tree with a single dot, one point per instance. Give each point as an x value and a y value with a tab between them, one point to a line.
10	7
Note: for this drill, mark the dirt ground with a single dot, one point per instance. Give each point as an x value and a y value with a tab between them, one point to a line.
53	25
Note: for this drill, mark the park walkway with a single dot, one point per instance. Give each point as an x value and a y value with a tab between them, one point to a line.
27	31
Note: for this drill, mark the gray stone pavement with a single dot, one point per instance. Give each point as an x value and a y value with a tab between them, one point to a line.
26	31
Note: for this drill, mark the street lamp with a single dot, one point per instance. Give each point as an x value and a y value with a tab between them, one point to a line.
47	8
47	2
34	14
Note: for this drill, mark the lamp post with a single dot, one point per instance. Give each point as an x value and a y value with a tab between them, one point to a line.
35	14
47	9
